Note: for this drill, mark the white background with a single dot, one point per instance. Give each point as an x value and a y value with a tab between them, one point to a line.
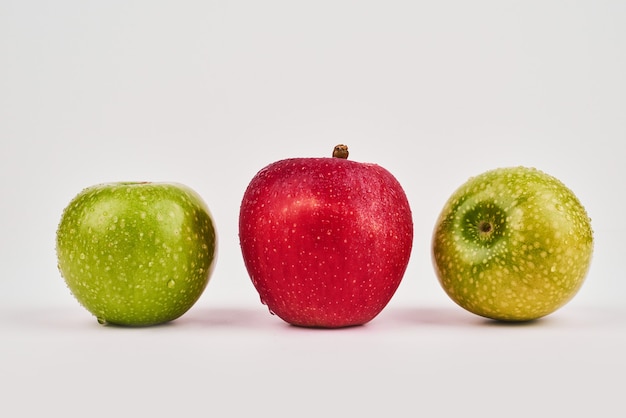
206	93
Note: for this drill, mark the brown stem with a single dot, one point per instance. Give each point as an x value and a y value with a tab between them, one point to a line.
341	151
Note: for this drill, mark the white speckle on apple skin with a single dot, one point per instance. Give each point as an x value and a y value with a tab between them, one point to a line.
314	243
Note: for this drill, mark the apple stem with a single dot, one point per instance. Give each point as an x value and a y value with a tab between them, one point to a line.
484	226
341	151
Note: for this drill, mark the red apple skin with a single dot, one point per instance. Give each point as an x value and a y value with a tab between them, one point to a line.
326	241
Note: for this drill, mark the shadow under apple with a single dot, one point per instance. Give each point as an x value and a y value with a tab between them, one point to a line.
444	317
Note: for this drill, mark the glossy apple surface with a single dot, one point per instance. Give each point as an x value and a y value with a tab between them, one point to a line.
136	253
326	241
512	244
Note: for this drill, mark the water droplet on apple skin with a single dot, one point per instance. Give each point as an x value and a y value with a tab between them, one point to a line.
101	320
268	308
171	284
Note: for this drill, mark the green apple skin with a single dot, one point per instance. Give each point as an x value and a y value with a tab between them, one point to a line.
136	254
512	244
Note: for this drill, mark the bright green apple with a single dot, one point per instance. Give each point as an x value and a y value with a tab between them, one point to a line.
136	254
512	244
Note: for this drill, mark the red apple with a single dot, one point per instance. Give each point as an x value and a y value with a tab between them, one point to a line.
326	241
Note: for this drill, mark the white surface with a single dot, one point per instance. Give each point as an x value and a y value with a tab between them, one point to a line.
410	361
206	93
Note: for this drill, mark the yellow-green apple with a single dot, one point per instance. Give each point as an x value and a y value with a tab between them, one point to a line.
136	253
512	244
326	241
